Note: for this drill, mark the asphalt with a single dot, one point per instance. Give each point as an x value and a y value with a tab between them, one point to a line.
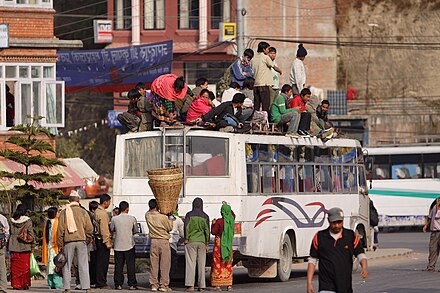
142	278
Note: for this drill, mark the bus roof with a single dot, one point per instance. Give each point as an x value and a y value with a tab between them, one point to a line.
248	138
401	150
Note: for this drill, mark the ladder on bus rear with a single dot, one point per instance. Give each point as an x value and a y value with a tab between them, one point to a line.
167	148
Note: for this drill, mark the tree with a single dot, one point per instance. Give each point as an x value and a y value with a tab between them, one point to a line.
29	150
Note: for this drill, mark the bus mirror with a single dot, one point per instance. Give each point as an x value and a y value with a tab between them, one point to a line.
369	164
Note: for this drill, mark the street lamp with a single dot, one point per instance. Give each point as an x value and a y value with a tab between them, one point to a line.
367	96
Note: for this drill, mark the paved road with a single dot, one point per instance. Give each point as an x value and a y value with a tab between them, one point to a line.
401	274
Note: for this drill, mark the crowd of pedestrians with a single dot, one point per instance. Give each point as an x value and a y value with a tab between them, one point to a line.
257	76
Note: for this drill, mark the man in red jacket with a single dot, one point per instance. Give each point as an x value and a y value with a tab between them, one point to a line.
299	103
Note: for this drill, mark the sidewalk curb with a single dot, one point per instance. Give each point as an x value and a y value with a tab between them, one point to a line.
397	253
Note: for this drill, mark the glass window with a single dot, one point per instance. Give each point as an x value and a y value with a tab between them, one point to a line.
286	154
154	14
362	181
350	179
212	70
54	104
220	12
26	103
11	71
173	151
268	178
326	178
431	170
306	178
406	171
287	178
48	72
142	154
381	171
267	153
208	156
36	98
23	71
189	14
252	178
123	14
337	178
35	71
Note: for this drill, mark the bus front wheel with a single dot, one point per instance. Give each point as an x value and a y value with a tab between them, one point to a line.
284	264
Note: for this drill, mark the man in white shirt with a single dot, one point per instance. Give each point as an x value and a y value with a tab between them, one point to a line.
298	72
176	234
4	230
124	226
228	94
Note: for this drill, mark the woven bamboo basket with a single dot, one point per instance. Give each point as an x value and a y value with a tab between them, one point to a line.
166	194
164	171
168	177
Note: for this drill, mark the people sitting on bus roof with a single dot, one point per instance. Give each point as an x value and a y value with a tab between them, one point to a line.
145	108
260	118
228	116
282	116
185	103
165	91
201	105
130	119
299	103
318	127
230	92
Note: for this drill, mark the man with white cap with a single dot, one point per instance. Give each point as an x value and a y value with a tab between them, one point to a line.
334	247
74	232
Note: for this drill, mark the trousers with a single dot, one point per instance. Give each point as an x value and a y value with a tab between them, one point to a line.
434	249
3	277
128	258
195	255
80	249
160	258
102	261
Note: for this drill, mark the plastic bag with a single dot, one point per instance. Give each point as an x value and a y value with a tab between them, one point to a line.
34	268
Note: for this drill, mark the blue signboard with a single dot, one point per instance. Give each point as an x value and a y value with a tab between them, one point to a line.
114	67
112	117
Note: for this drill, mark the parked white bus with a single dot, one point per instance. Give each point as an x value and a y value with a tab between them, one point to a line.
406	180
279	187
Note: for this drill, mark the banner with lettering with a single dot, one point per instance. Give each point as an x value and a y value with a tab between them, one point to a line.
114	69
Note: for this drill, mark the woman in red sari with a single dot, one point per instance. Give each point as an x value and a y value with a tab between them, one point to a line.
223	230
20	251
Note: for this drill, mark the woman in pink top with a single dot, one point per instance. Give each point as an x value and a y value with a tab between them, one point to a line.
200	106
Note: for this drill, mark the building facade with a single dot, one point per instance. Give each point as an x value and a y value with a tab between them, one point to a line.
28	84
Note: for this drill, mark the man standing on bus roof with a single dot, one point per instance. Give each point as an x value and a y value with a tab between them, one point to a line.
334	247
433	222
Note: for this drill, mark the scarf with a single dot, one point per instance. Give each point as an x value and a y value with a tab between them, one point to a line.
228	233
244	62
46	240
71	225
164	87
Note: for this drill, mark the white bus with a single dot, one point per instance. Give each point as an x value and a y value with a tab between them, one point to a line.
406	180
279	187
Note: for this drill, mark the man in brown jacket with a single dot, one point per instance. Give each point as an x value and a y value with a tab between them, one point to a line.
159	228
103	241
74	233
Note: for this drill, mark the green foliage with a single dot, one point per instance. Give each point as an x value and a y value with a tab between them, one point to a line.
32	150
68	147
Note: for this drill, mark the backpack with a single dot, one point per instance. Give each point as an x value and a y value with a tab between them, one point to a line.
3	239
225	80
374	216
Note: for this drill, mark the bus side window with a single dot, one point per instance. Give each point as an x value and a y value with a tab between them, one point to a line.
287	178
268	178
252	178
306	178
350	178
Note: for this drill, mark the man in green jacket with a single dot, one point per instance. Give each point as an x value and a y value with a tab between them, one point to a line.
282	115
196	230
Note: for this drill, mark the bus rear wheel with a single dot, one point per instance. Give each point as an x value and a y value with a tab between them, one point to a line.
284	264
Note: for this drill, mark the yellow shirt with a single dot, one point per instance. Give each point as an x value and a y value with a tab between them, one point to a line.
103	220
159	225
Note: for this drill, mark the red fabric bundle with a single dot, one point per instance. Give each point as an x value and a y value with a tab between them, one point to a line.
164	87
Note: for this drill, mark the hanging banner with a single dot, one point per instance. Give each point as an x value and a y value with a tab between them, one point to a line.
114	69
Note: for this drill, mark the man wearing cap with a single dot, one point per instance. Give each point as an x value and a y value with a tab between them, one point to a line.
297	71
334	247
74	232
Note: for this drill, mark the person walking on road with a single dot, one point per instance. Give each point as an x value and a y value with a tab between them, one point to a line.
74	233
4	234
124	226
433	222
159	227
197	233
20	250
103	241
334	247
